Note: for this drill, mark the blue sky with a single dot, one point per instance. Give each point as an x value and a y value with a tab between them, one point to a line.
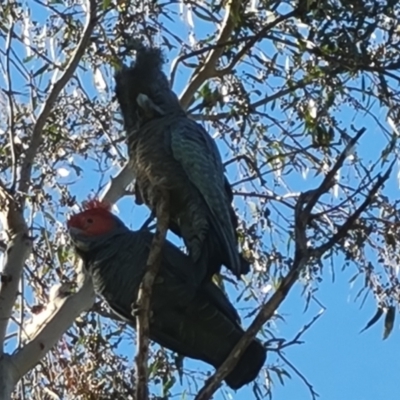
339	362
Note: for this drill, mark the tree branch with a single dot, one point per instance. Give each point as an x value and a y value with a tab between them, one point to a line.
11	105
250	43
54	91
144	297
117	186
208	69
253	106
45	328
18	249
266	312
48	326
314	394
303	255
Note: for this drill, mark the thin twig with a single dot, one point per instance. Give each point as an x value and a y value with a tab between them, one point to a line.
256	38
342	231
148	221
144	297
314	394
11	107
300	333
253	106
208	69
54	91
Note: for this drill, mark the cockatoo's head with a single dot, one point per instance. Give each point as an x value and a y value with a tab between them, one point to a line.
94	225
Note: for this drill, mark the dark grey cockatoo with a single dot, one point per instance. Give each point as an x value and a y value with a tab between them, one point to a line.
170	153
195	321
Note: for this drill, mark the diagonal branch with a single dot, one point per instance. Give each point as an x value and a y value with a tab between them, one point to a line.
55	90
48	326
266	312
144	298
303	255
117	186
208	69
256	38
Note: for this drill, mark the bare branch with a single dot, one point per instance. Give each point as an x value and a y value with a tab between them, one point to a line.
266	312
116	188
48	326
268	309
299	334
314	394
144	297
208	69
54	91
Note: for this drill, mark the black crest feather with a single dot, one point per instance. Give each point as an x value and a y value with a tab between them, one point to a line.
148	58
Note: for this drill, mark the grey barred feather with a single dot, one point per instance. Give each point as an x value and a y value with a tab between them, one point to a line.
170	153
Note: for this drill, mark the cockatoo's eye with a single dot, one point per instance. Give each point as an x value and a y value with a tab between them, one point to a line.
89	221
